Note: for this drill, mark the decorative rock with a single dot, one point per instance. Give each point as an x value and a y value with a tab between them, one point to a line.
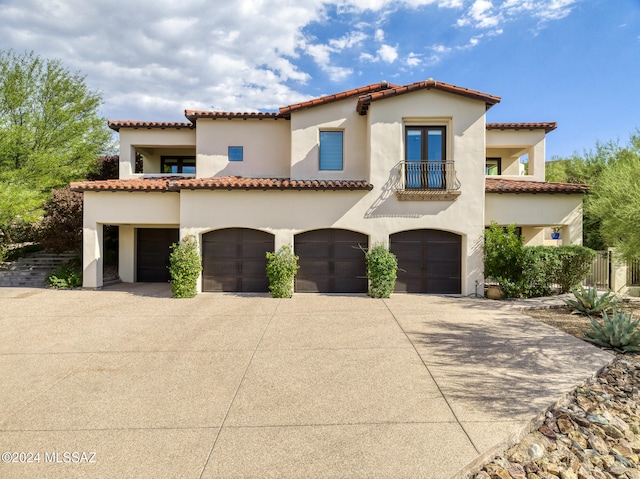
617	469
535	452
612	431
565	425
594	434
598	444
568	474
516	471
597	419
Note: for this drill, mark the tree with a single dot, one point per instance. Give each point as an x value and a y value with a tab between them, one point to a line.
588	169
616	201
50	133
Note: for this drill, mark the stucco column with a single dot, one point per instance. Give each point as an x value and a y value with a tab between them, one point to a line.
126	253
92	254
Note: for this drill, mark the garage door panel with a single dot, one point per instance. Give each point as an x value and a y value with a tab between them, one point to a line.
331	261
153	247
234	260
255	251
219	250
312	250
348	250
435	251
429	261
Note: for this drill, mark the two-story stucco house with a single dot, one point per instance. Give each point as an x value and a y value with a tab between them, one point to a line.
415	167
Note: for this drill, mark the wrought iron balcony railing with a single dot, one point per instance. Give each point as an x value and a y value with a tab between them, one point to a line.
430	179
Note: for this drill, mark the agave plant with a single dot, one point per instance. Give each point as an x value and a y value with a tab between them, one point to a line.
618	331
589	302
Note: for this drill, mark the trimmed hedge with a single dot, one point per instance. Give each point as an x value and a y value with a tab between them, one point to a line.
184	267
282	267
533	271
382	266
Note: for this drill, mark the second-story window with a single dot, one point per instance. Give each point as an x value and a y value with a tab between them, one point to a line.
425	152
178	164
236	153
331	150
493	166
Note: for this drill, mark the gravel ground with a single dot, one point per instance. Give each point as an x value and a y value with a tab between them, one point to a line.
593	434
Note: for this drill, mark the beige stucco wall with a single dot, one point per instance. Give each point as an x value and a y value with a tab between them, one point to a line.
265	147
286	213
150	138
526	141
538	210
465	121
129	210
305	141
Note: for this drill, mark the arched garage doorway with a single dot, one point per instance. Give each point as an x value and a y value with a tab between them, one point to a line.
429	261
331	261
234	260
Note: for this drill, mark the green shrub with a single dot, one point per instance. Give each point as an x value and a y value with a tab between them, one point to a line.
575	264
185	267
282	267
66	276
589	302
618	331
532	271
503	253
382	267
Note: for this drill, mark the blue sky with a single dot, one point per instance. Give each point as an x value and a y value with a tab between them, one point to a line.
576	62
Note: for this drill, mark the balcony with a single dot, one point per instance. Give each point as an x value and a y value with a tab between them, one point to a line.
428	180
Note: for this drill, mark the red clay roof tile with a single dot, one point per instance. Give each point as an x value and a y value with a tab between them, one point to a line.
218	183
193	115
365	100
132	184
117	124
501	185
286	110
547	126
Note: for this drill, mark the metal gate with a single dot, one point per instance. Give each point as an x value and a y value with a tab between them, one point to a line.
600	274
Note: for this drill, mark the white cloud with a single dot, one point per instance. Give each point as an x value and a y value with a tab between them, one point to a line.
153	58
413	60
388	53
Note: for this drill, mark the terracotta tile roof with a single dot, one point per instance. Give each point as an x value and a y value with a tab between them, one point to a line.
365	100
218	183
193	115
546	126
117	124
132	184
286	110
500	185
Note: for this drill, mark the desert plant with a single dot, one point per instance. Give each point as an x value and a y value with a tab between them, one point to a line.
185	267
282	267
589	302
382	266
66	276
618	331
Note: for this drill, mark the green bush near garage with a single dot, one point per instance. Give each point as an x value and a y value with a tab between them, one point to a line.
282	266
382	268
184	267
532	271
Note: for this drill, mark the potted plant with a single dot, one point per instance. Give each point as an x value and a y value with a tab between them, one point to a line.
555	233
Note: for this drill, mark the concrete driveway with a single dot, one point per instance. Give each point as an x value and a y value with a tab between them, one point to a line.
139	385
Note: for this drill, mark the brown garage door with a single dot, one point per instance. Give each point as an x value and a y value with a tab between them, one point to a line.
428	261
331	261
234	260
153	247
